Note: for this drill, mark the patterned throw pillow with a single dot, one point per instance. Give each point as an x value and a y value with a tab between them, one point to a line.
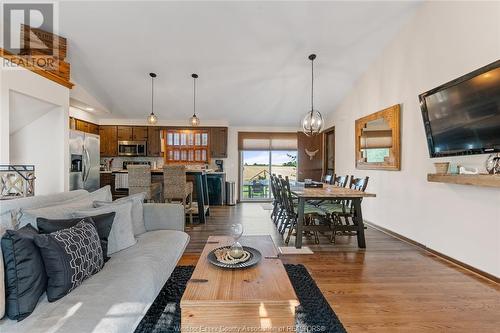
70	256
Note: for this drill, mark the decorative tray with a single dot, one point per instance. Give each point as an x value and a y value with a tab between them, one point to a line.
215	256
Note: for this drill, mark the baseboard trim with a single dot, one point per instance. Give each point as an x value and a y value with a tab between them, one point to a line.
468	267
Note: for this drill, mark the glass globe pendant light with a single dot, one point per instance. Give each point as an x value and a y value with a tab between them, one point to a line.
152	118
194	120
312	124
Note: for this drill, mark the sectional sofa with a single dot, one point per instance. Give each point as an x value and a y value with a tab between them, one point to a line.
115	299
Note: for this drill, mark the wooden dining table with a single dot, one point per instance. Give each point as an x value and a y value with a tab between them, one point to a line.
329	192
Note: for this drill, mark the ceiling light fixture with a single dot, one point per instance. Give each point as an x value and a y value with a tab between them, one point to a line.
312	124
152	118
88	108
194	120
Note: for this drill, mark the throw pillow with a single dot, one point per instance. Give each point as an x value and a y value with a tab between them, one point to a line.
25	278
103	224
122	233
70	256
102	194
137	210
60	211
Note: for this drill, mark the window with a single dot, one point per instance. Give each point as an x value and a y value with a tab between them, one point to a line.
186	146
262	154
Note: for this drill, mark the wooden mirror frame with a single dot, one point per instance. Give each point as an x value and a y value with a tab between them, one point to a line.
392	117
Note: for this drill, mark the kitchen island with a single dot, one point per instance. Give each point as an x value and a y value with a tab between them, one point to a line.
197	176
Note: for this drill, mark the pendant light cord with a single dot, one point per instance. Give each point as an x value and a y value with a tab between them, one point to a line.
152	93
312	86
194	96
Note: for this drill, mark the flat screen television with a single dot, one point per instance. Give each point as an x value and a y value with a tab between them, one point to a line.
462	117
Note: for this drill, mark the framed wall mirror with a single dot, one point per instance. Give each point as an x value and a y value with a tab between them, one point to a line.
378	145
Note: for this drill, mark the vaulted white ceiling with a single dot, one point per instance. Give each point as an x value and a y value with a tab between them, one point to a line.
251	56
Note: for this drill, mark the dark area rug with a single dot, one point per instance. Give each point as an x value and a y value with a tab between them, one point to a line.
313	315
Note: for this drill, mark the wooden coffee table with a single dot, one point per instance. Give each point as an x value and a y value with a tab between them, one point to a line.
260	298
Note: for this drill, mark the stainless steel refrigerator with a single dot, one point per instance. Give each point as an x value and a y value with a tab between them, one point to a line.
84	154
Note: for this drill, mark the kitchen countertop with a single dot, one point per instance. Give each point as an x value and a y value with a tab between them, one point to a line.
160	171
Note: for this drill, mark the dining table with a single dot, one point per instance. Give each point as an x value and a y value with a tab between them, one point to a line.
329	192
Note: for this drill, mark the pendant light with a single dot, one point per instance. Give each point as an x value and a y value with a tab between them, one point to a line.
194	120
152	118
312	124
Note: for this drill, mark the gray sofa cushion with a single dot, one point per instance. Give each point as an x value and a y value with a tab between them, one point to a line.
115	299
137	201
122	232
38	201
61	211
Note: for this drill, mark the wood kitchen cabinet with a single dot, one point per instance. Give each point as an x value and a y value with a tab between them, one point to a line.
132	133
139	133
84	126
154	141
124	133
218	142
109	141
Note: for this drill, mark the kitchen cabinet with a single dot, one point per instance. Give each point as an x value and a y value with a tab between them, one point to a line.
154	141
132	133
218	142
84	126
140	133
124	133
109	141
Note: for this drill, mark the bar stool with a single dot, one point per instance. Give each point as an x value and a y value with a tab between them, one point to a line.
139	180
175	187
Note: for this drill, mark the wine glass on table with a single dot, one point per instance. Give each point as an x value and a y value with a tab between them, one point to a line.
236	250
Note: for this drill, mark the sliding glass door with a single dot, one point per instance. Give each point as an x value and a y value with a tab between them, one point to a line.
257	165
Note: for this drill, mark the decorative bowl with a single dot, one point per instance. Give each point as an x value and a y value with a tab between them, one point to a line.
254	258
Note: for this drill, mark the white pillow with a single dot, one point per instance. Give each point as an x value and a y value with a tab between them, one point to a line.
102	194
60	211
122	232
137	210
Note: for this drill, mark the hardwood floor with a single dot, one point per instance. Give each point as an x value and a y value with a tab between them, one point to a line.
391	286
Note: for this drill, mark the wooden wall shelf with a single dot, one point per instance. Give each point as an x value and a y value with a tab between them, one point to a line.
476	180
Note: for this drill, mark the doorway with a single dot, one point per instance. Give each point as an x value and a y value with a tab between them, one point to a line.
329	151
256	168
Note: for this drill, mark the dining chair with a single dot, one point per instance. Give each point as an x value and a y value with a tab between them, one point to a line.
328	177
311	212
340	181
139	180
341	213
177	188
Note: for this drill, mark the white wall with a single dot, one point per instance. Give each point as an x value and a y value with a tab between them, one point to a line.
443	41
83	115
25	82
25	148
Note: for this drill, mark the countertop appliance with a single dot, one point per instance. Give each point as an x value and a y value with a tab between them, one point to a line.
131	148
84	161
220	165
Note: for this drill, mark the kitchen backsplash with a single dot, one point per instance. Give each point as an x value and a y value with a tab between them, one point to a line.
118	161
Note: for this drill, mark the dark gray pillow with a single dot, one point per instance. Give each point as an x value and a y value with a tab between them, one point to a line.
25	278
103	224
70	256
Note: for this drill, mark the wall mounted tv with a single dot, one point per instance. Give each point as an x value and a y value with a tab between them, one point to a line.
462	117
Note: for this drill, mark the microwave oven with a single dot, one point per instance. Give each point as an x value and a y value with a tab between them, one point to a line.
131	148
